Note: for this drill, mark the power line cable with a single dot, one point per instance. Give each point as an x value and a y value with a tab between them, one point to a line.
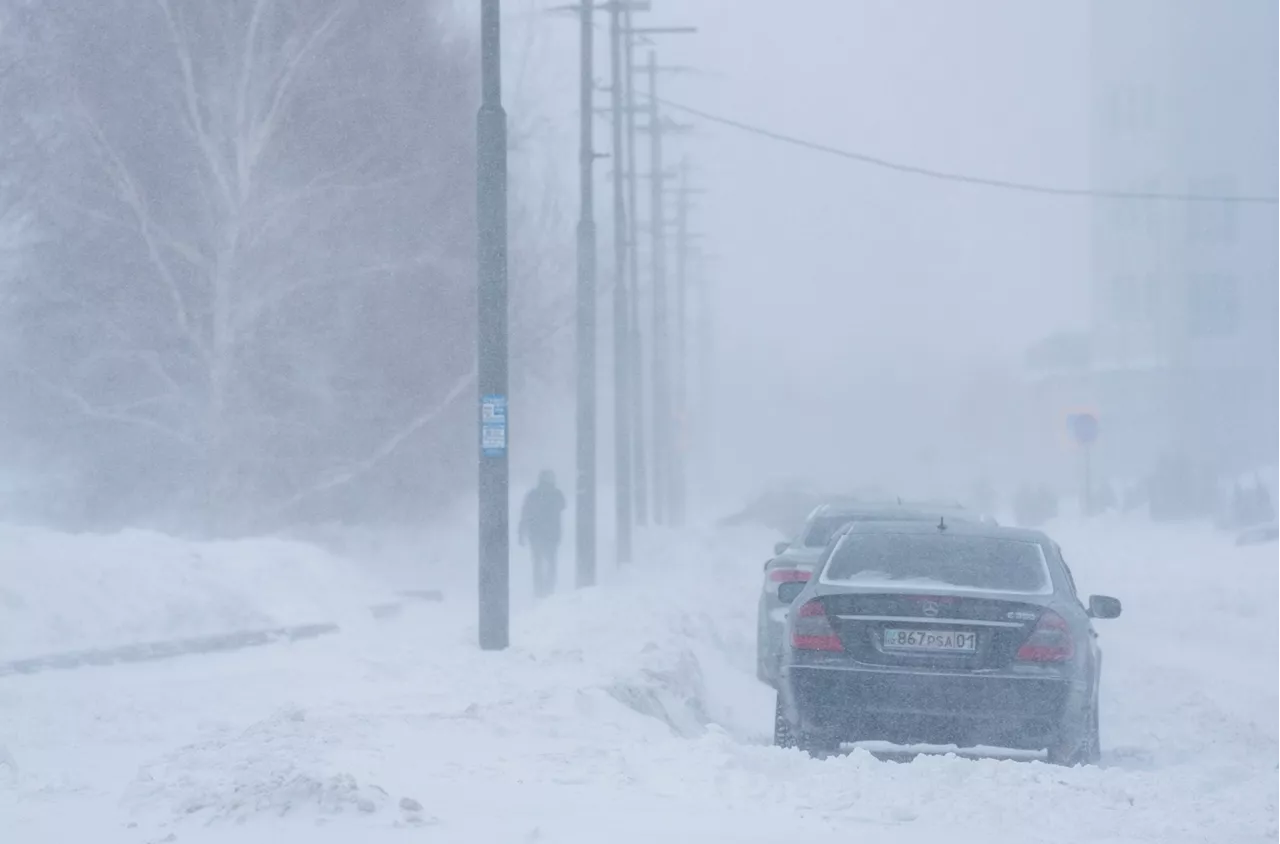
981	181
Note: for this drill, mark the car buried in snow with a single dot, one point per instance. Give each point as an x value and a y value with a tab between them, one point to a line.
794	561
948	633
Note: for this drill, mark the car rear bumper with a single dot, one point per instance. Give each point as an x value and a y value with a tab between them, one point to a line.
906	707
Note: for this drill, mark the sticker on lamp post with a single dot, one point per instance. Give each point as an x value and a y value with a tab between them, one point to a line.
493	426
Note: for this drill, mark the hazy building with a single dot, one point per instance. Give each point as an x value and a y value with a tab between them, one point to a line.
1184	307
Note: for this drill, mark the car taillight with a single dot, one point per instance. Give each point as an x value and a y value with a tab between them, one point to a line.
1049	642
811	631
789	575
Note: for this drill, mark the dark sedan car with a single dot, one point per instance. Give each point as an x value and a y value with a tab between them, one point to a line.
943	634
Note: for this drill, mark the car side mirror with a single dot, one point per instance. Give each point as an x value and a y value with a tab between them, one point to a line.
780	547
788	591
1104	606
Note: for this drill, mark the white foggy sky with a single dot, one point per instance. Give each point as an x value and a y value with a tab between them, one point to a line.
992	87
833	277
870	260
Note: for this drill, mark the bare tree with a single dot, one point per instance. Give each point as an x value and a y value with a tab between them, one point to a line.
25	144
262	282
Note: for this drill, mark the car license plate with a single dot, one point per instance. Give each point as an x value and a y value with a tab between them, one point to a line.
955	641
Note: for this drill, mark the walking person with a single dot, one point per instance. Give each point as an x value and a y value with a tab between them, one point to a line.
540	527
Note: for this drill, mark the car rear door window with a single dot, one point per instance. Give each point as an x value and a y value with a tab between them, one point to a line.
920	560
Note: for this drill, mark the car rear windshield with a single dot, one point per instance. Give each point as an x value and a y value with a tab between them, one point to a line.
972	562
823	528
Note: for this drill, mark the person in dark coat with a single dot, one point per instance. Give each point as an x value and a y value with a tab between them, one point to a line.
540	527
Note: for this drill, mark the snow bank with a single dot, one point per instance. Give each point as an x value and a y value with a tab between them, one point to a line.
652	658
672	637
274	777
63	592
630	712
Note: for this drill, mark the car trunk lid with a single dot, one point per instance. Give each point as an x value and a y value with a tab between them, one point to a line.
945	631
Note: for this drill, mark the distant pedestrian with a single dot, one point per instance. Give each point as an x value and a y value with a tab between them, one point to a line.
540	527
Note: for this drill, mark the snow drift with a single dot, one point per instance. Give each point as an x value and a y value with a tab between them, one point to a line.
64	592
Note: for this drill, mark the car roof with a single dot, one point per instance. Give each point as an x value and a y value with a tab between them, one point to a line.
897	513
963	528
853	509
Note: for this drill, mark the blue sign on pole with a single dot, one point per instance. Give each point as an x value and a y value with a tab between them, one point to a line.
1083	427
493	426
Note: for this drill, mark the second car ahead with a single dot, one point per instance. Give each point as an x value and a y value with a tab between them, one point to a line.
946	634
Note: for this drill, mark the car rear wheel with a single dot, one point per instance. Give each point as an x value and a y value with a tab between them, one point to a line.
1085	751
1093	746
784	735
818	746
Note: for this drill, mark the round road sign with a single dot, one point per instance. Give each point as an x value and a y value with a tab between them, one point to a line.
1083	427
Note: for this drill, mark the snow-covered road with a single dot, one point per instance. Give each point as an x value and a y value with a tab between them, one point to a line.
625	713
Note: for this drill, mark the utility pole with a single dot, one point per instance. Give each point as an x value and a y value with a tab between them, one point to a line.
706	388
679	400
586	333
680	380
644	482
641	497
663	463
659	339
622	363
491	352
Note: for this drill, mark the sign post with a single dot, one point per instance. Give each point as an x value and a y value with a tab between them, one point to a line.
1083	427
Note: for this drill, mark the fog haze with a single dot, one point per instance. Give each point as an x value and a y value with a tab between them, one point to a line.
854	304
868	326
